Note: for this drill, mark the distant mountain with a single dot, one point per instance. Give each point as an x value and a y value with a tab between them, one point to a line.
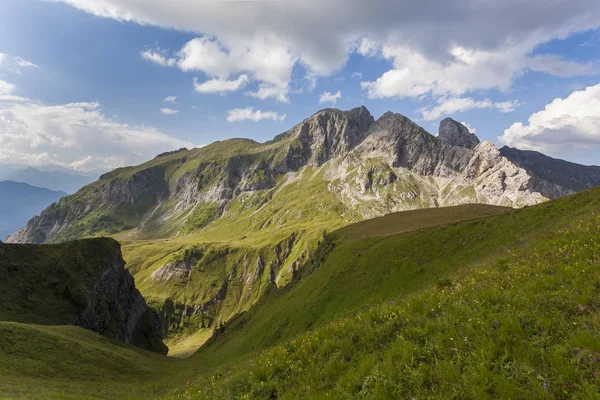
53	180
569	175
19	202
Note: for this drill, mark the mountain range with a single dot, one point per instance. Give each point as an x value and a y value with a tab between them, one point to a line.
19	202
369	253
366	168
208	232
53	180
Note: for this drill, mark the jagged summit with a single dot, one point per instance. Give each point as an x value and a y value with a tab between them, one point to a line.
456	134
366	168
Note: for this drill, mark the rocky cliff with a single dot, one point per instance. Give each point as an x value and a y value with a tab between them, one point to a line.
456	134
566	174
248	215
81	283
183	191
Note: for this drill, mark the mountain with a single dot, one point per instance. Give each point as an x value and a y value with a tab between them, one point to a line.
19	202
457	134
82	283
209	232
367	168
422	303
53	180
569	175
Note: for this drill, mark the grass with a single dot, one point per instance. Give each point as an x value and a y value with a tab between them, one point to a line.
503	307
67	362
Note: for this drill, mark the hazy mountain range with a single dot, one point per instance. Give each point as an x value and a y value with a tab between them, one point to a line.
19	202
53	180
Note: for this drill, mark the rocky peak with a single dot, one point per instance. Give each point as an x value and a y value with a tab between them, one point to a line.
327	134
402	143
456	134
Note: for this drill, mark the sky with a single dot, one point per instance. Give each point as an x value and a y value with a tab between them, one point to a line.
91	85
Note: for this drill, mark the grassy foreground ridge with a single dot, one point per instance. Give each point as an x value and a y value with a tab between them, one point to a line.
506	306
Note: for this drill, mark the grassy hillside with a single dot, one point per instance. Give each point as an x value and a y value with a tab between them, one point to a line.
506	306
67	362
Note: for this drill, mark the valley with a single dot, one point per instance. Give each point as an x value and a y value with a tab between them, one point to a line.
346	248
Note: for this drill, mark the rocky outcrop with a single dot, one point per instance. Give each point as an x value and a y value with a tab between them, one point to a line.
456	134
328	134
115	308
82	283
394	163
571	176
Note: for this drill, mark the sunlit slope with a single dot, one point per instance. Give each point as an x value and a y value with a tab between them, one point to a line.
253	262
502	307
351	275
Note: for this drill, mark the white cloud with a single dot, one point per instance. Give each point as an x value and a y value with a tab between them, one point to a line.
24	63
447	106
14	63
367	47
357	75
558	66
170	99
220	85
248	113
469	127
168	111
450	49
158	58
564	124
328	97
265	91
75	136
265	59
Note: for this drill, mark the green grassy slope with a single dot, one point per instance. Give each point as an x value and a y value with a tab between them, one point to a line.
505	306
67	362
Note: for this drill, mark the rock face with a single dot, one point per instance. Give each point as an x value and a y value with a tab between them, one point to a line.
82	283
255	212
375	167
116	308
569	175
456	134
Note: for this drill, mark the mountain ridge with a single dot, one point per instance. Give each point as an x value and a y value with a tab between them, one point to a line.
208	232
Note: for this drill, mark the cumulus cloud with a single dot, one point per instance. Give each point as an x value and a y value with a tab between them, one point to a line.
328	97
75	136
170	99
158	58
564	124
168	111
248	113
265	60
220	85
452	48
447	106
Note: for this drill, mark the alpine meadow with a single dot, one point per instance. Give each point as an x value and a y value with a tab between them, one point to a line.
246	219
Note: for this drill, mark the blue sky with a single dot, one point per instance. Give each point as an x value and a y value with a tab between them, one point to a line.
90	100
